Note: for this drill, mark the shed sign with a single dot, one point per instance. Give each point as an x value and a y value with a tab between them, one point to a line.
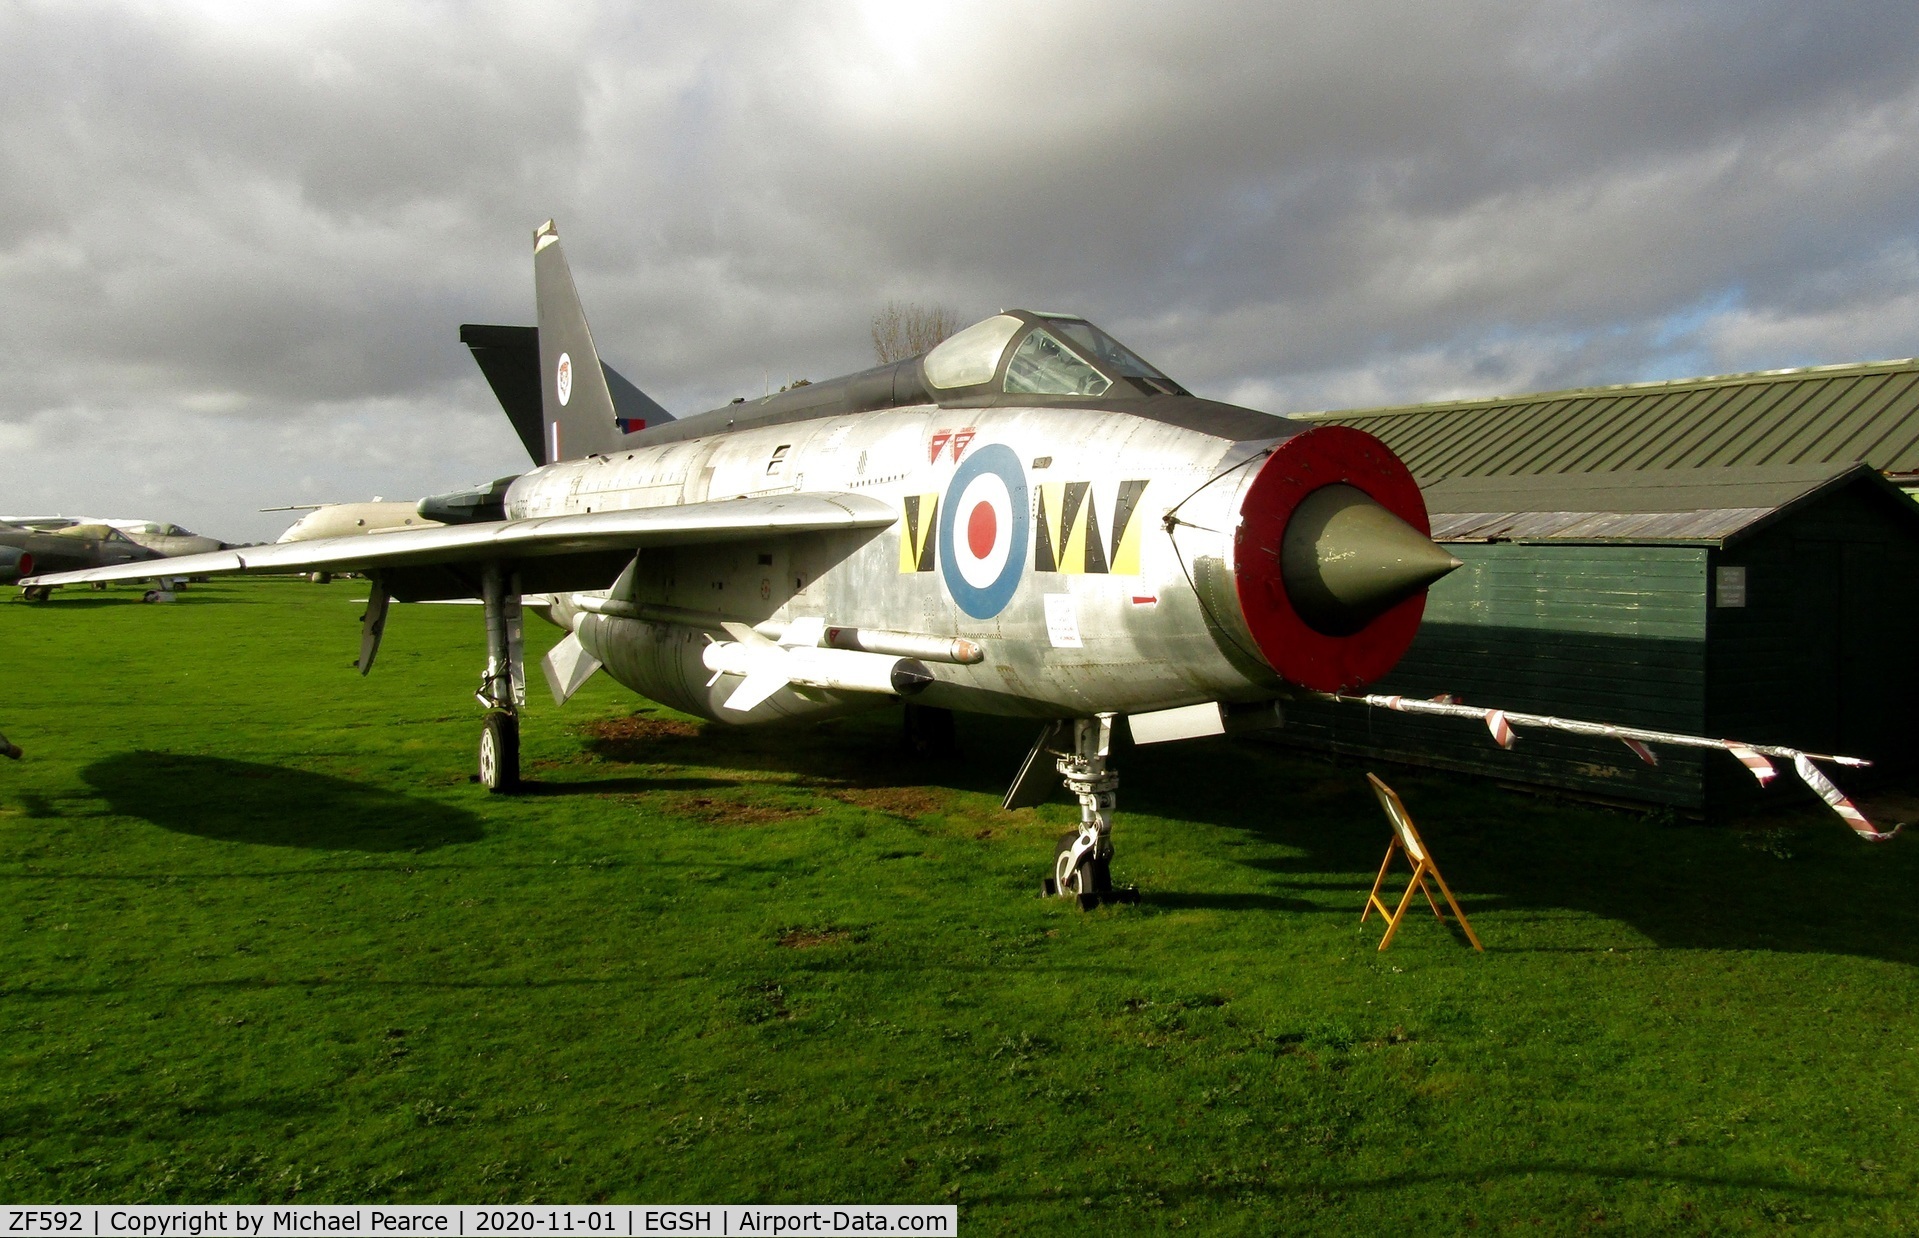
1729	589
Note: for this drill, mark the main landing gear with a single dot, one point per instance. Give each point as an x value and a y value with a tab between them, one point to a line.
503	684
1083	861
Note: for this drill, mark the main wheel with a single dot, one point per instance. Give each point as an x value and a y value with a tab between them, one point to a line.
500	753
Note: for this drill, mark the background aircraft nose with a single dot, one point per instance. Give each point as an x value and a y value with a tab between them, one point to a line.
1346	560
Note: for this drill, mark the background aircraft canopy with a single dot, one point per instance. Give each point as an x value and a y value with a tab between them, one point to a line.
156	528
89	532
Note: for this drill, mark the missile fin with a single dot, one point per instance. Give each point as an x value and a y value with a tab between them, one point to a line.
568	666
754	689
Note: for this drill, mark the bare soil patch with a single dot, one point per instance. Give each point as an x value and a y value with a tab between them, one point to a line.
904	802
639	739
725	810
640	726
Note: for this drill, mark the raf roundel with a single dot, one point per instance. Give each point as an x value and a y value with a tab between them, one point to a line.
563	379
985	525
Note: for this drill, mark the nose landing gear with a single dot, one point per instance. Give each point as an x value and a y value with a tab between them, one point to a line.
1083	861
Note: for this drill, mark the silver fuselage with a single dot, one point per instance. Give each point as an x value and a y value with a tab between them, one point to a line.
1126	630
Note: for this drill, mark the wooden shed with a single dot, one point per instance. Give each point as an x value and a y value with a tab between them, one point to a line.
1768	604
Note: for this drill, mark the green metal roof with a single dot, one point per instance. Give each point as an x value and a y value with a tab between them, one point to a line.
1835	414
1689	506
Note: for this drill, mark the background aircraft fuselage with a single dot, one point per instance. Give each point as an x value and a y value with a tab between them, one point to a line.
76	547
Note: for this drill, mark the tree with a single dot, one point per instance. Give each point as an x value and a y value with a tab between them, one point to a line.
907	330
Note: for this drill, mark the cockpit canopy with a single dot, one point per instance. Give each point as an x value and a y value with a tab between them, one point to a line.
1023	353
1015	358
92	532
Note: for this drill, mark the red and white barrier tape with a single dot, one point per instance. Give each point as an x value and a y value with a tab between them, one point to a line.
1822	786
1501	723
1761	768
1640	750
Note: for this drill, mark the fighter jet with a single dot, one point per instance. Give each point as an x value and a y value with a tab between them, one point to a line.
25	551
168	538
160	535
1029	519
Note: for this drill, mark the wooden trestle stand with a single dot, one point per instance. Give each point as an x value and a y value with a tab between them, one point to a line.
1407	839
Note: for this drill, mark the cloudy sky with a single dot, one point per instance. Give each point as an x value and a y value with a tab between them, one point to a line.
239	238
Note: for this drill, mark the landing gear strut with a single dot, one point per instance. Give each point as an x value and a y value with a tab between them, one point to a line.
1083	862
503	684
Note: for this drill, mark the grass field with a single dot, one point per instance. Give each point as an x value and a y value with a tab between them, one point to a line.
265	941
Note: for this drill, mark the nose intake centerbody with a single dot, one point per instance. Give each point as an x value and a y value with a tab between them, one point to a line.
1332	557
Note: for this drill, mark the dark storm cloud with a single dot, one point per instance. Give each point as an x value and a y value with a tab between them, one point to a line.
230	230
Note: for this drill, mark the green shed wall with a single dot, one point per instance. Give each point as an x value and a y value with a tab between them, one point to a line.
1822	656
1610	633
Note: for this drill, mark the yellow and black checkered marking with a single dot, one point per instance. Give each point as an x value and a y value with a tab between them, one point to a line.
1069	538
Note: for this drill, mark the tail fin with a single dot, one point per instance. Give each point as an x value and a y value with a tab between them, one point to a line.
510	359
577	405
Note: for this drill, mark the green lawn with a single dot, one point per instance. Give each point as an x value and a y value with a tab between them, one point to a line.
265	941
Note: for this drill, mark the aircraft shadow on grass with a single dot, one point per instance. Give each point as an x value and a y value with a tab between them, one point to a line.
1809	888
246	802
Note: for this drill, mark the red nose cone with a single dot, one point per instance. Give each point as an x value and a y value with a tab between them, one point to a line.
1297	650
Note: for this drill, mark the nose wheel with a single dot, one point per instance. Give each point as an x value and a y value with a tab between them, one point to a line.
1084	877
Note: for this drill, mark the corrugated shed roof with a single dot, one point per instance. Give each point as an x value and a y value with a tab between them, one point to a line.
1709	506
1839	414
1712	526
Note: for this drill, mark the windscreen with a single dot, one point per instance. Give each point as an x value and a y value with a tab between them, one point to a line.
1106	351
1044	366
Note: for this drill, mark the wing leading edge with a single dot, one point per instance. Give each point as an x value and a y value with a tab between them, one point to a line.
589	540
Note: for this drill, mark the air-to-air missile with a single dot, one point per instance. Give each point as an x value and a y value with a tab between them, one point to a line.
1028	519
